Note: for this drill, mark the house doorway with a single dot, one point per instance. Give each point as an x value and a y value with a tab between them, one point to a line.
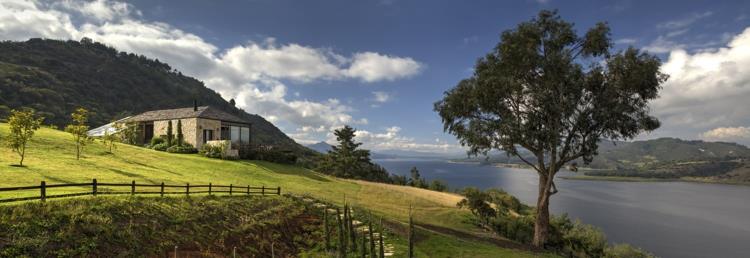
148	132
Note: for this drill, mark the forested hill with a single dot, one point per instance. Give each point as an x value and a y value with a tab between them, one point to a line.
55	77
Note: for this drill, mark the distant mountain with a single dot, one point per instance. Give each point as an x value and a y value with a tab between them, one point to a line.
56	77
324	147
321	147
642	154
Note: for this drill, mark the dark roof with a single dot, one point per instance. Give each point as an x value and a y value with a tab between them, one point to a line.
180	113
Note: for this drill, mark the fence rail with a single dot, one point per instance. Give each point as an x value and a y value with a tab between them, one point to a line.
196	189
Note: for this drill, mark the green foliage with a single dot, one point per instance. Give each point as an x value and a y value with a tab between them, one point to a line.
109	140
216	150
626	251
532	91
437	185
128	132
163	146
416	179
147	226
347	161
182	148
170	137
23	124
180	136
478	203
156	141
399	179
79	129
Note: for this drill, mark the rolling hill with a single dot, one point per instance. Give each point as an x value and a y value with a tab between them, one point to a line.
51	157
55	77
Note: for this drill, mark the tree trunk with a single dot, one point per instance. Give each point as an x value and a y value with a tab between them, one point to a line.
23	154
541	225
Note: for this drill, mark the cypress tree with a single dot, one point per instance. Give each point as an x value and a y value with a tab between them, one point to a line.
352	232
364	245
411	234
372	239
380	240
326	228
169	133
342	239
180	136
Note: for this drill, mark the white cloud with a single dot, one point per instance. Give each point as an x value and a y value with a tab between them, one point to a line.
371	67
706	90
381	96
390	139
684	22
251	73
626	41
727	134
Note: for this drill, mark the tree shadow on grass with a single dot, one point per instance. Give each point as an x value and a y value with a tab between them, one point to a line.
298	171
59	180
145	165
19	166
129	174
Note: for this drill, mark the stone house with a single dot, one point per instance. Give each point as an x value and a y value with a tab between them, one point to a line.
199	125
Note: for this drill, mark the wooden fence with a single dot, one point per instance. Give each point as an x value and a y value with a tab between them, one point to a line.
186	189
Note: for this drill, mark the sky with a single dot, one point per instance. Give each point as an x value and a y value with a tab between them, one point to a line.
313	66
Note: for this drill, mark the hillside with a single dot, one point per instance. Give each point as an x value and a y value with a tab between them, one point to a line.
51	157
642	153
55	77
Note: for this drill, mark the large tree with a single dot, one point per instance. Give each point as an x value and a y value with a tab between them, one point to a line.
348	160
555	93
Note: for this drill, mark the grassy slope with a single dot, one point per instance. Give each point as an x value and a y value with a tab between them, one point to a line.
51	157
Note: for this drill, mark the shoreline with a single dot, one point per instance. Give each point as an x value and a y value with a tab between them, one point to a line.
646	179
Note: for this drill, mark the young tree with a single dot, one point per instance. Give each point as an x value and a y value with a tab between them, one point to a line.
554	93
416	179
128	132
22	126
180	136
109	140
169	133
79	129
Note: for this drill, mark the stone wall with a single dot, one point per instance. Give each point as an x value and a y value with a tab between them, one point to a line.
189	131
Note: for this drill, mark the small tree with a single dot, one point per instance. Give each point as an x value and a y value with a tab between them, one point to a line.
169	133
180	136
438	185
109	140
128	132
79	129
416	179
22	126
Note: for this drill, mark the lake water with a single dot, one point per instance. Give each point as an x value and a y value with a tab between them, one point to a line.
669	219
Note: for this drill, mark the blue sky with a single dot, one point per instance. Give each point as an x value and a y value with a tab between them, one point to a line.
312	66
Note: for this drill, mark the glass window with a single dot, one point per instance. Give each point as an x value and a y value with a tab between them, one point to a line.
245	135
235	134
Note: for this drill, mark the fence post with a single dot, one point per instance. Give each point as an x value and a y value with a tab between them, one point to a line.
187	188
248	189
230	189
43	190
209	188
263	190
278	190
93	187
132	188
162	189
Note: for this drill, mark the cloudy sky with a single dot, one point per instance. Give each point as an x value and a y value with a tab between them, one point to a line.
311	66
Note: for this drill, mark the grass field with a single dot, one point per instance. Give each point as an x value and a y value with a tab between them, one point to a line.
51	157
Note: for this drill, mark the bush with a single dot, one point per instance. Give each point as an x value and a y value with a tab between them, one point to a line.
156	141
160	146
438	185
183	148
626	251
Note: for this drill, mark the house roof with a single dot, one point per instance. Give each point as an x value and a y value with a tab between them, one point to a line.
180	113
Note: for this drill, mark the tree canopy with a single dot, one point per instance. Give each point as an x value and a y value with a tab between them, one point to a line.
555	93
349	161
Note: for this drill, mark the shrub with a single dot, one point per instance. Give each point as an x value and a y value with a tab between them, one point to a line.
626	251
156	140
160	147
183	148
212	151
438	185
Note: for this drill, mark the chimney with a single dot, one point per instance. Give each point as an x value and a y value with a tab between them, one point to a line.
195	105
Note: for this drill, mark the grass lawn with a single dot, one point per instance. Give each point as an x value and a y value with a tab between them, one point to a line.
51	157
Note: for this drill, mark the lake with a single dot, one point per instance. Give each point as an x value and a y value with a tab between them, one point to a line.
669	219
